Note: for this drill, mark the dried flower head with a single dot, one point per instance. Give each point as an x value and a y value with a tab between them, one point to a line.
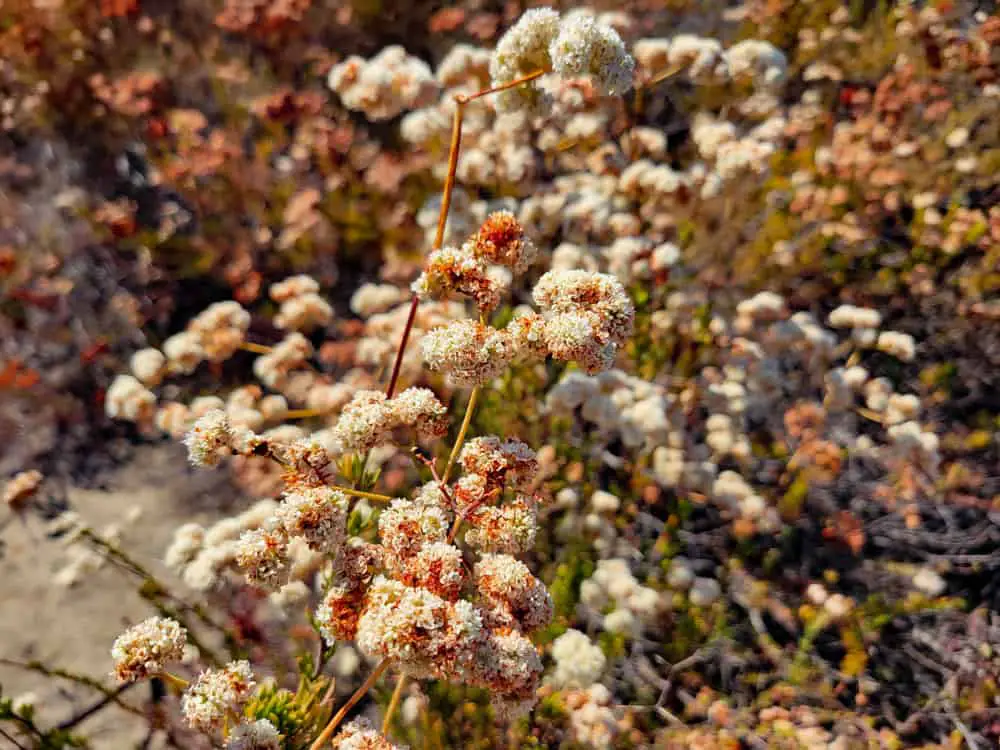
144	649
501	240
507	461
512	597
407	525
452	270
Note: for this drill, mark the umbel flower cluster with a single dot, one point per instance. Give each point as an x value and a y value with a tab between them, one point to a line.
584	316
434	588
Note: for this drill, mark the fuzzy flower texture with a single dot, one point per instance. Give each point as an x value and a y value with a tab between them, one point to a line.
584	318
577	47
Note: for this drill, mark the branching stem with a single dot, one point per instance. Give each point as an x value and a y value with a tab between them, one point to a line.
338	717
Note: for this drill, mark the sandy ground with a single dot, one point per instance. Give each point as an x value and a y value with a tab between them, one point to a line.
72	627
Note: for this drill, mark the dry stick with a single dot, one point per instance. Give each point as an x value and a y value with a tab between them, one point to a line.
449	187
338	717
397	693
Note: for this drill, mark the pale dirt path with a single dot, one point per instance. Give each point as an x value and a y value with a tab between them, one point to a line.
73	628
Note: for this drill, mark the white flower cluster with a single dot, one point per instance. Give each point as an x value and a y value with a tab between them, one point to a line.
385	85
634	606
144	650
370	417
617	404
360	734
301	306
579	661
410	599
469	269
592	718
575	47
256	735
216	695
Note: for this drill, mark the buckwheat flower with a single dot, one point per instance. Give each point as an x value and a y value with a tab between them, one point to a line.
174	419
576	337
407	525
420	408
501	240
584	47
527	336
293	286
508	664
364	421
425	634
703	57
183	352
221	328
303	313
757	59
291	353
257	735
188	541
899	345
359	734
469	492
511	596
468	352
599	293
579	661
144	649
522	50
370	299
452	270
437	567
338	613
510	528
208	438
850	316
216	694
500	461
129	399
262	554
148	365
318	515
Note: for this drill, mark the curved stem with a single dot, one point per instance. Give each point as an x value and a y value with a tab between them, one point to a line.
338	717
397	694
502	87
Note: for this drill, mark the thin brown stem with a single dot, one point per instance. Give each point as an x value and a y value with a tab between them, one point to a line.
449	181
502	87
303	413
398	364
358	493
397	694
249	346
338	717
